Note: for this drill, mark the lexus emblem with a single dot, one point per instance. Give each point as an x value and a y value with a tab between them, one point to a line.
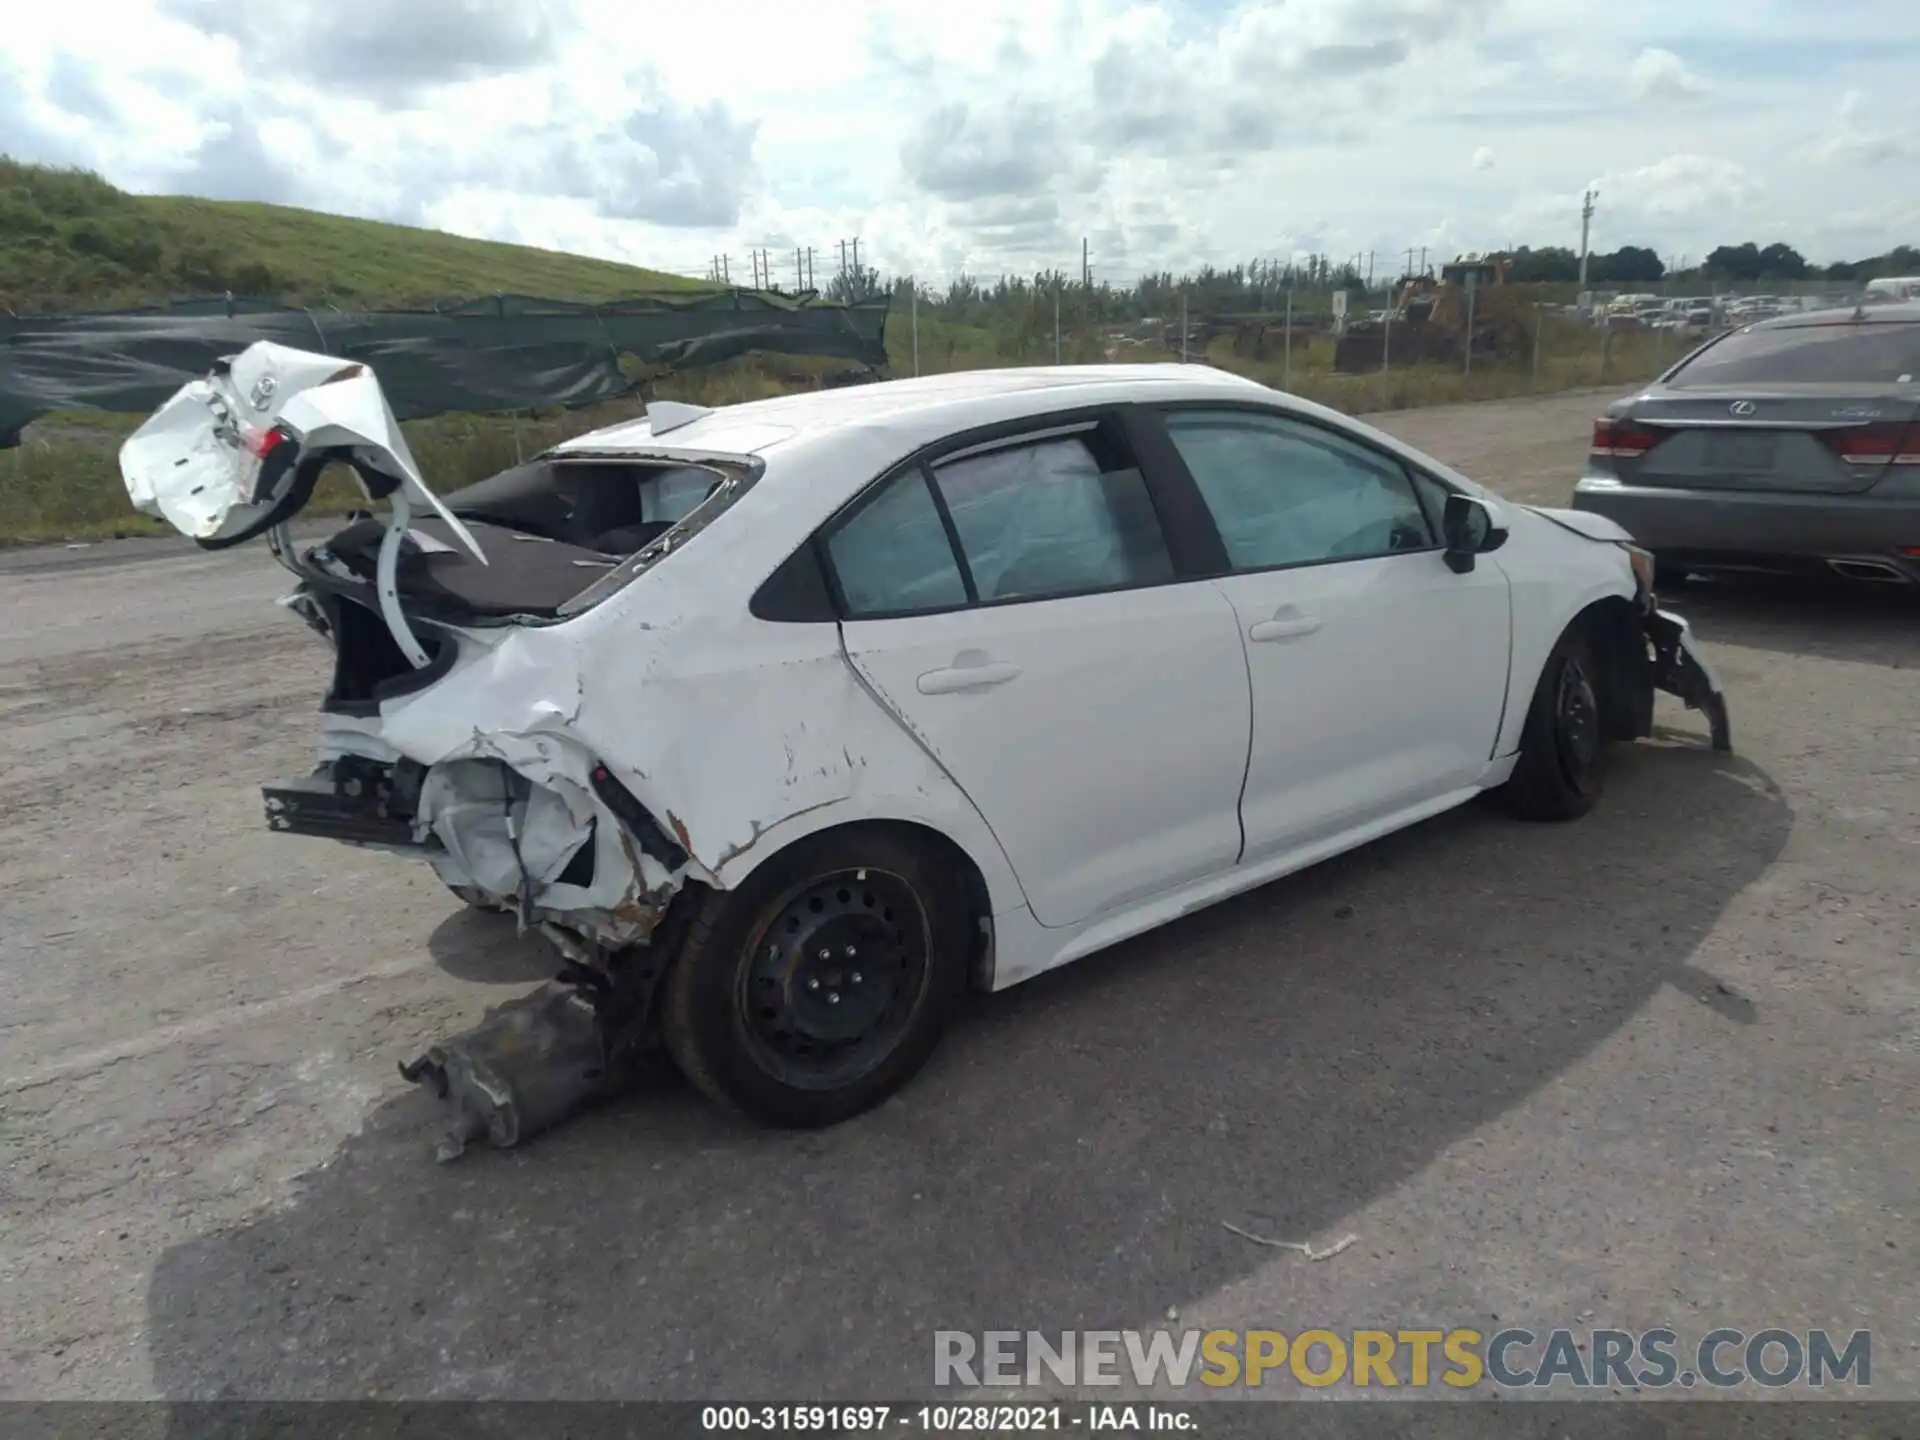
1741	407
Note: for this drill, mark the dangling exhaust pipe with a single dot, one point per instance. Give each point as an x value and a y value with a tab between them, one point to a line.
1877	572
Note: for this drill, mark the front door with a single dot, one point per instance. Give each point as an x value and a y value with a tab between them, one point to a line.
1378	675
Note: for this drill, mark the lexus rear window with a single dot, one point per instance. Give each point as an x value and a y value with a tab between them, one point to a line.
1837	354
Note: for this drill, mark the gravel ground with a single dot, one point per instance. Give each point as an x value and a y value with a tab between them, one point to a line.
1659	1066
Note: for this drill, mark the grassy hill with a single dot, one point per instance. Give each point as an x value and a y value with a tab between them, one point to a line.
71	241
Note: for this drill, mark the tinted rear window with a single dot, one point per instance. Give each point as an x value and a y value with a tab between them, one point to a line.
1843	354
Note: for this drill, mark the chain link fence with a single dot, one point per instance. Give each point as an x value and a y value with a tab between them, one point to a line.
1354	349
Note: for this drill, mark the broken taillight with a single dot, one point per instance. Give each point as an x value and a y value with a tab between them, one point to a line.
1886	443
636	817
263	443
1623	439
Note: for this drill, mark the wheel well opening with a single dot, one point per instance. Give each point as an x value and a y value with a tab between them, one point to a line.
973	885
979	903
1611	626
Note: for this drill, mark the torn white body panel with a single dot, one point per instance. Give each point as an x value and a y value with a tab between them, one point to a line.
198	461
551	702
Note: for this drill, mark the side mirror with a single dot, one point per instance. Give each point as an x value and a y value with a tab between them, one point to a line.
1467	527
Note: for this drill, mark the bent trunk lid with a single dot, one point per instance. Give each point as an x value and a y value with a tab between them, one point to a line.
237	452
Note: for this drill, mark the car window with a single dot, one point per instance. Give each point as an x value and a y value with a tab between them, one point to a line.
1839	354
671	495
1046	519
894	556
1284	493
1433	498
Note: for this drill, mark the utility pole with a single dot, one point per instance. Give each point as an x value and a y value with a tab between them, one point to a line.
843	260
1286	382
1086	286
812	281
1472	290
1586	225
1409	262
799	272
1369	270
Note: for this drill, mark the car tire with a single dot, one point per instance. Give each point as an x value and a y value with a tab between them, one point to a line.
1563	747
820	986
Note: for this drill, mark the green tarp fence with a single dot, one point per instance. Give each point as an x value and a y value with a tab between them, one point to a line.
503	352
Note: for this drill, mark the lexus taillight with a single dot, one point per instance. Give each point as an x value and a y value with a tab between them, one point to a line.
1623	439
1887	443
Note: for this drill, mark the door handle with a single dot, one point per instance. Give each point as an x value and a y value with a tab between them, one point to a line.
978	675
1290	628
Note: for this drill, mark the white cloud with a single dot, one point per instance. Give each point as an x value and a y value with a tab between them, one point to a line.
388	50
1169	133
1682	185
1863	134
1657	74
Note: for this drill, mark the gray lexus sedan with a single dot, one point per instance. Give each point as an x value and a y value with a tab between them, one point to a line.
1789	445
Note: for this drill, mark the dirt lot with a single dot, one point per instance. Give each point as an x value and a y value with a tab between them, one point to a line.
1659	1066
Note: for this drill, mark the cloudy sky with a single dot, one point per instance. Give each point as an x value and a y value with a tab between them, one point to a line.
995	134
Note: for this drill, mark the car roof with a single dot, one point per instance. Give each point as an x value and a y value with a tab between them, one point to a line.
941	404
1895	312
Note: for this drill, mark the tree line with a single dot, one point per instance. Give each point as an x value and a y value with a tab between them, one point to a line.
1259	284
1745	263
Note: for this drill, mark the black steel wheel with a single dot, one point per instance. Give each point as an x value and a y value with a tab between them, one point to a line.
1563	749
1577	738
832	980
822	984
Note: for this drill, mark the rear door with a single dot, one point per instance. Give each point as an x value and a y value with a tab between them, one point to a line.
1822	408
1016	607
1379	676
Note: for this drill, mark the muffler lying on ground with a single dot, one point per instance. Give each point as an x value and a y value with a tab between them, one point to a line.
525	1067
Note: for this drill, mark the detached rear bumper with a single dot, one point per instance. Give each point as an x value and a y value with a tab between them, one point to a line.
1681	670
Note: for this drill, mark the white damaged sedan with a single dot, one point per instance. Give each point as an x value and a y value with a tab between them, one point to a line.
788	722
